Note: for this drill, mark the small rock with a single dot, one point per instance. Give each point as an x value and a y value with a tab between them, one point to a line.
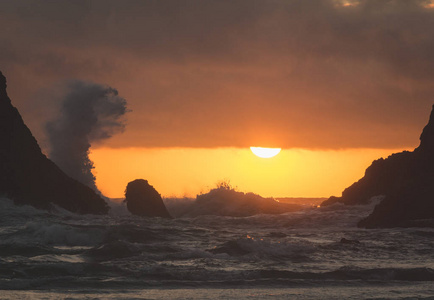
143	200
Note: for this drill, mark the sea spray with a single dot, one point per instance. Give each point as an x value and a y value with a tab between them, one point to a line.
89	113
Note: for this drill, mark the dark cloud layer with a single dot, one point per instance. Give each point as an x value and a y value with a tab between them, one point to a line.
317	74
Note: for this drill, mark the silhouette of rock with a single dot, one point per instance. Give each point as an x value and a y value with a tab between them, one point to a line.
406	179
28	177
143	200
226	201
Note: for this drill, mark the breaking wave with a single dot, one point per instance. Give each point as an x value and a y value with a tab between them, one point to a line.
314	247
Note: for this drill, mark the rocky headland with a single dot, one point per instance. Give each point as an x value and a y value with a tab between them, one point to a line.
406	179
27	176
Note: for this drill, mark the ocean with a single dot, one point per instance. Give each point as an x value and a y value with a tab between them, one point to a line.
315	253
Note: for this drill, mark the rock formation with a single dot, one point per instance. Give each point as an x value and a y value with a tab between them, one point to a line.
27	176
406	180
143	200
226	201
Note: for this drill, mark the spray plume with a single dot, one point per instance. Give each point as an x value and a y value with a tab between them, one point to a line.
89	113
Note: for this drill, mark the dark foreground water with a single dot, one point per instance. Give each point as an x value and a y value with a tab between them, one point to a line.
296	255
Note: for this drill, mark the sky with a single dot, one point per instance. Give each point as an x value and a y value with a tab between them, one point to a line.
337	79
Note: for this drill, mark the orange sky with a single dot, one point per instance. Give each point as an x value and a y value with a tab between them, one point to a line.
205	80
188	171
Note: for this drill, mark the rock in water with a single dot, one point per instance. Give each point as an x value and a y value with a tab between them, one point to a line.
143	200
406	180
28	177
226	201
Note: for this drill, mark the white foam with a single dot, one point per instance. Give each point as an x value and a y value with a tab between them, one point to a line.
58	234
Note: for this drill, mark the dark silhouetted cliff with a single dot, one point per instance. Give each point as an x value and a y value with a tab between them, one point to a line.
143	200
28	177
406	180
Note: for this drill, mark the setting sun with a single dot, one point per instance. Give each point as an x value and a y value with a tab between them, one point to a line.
265	152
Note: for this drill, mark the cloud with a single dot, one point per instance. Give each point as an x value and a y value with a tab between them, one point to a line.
293	73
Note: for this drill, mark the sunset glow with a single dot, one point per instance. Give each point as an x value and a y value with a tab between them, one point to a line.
178	172
265	152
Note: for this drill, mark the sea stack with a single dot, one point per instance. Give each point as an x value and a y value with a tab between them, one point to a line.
143	200
406	180
226	201
27	176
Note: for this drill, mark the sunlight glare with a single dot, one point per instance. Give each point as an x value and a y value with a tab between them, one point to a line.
265	152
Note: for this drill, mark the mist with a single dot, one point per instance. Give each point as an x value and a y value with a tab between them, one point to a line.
89	113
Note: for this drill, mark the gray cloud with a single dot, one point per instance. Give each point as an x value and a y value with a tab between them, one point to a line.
390	30
362	71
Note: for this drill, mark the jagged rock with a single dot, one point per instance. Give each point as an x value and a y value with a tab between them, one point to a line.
406	179
382	177
27	176
143	200
226	201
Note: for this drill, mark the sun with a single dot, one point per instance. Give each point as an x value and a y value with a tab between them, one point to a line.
265	152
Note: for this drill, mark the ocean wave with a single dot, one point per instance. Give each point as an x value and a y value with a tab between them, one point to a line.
41	233
40	249
11	213
114	250
383	274
63	274
59	234
297	251
354	273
